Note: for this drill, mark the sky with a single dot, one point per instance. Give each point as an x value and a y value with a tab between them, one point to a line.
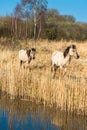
76	8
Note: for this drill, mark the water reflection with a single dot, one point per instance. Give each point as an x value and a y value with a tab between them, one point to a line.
24	115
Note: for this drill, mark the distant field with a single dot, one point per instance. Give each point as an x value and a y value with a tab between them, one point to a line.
68	92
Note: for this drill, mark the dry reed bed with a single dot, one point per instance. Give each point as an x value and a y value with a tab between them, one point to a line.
69	92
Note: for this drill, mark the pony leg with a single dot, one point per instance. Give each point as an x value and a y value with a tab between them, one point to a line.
21	62
54	69
26	66
64	72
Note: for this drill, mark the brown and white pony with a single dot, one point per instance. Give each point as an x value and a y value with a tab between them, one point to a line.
26	56
60	59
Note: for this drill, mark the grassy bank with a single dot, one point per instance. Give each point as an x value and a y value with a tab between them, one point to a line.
69	92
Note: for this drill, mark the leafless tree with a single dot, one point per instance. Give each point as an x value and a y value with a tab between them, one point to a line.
34	8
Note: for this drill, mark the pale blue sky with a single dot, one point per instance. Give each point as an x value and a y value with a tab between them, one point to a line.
76	8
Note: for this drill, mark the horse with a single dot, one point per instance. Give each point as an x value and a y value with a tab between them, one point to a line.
59	59
26	56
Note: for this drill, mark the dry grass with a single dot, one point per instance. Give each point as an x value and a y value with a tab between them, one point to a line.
69	92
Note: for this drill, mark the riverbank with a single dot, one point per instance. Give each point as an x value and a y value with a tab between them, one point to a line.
68	93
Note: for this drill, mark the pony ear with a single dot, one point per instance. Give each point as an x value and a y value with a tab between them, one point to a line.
73	46
33	49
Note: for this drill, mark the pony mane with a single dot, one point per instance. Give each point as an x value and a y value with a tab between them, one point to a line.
66	51
28	52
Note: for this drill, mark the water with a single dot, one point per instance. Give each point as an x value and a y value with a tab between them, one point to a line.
25	115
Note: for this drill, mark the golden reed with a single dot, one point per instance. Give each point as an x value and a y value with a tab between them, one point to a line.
68	93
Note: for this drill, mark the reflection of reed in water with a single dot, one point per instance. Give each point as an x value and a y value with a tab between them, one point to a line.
24	112
25	115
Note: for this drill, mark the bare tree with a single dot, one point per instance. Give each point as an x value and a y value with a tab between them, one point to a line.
35	7
22	14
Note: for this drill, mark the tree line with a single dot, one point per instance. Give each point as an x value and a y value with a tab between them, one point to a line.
31	19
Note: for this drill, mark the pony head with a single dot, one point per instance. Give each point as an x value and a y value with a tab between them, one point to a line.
72	51
32	53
